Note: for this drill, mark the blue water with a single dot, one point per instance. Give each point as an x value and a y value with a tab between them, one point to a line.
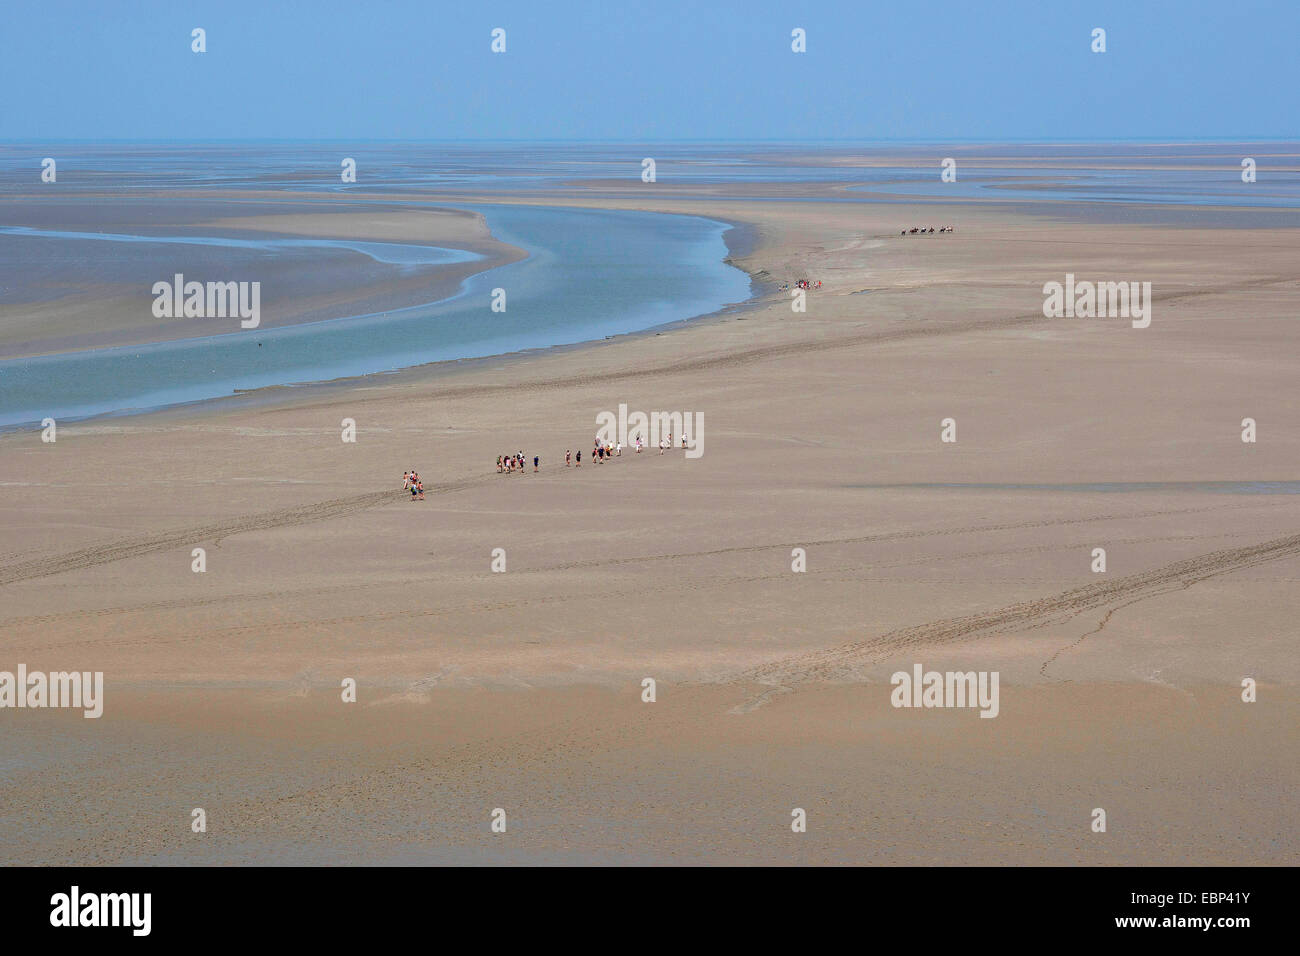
1201	187
392	253
1195	173
589	274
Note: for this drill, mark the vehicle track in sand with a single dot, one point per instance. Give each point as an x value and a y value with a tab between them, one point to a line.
107	553
842	661
215	531
879	536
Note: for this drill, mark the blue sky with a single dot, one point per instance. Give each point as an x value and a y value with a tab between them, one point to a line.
919	70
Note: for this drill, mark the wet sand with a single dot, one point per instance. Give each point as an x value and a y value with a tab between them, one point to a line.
108	301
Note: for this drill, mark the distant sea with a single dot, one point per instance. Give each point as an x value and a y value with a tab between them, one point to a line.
588	273
1192	173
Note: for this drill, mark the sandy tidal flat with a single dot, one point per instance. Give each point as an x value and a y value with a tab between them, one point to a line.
522	689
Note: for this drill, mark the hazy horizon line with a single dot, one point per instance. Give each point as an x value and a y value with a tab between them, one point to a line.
847	141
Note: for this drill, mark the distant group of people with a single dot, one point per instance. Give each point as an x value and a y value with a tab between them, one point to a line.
665	443
516	462
923	230
803	284
411	481
603	451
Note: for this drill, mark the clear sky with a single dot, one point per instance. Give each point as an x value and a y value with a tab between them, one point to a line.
911	70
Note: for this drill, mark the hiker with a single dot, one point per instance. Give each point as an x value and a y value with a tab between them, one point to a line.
536	460
568	457
579	458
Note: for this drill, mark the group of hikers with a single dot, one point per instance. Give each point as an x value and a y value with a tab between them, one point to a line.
516	462
922	230
803	284
411	481
601	452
